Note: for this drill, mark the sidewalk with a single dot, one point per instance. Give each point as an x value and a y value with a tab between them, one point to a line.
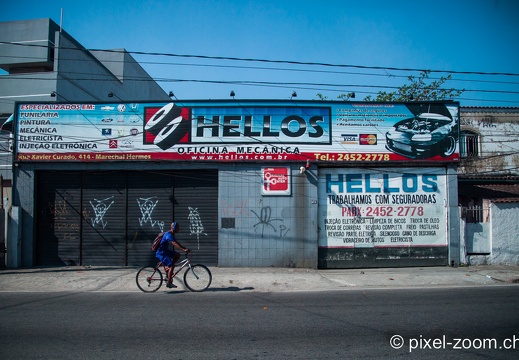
102	278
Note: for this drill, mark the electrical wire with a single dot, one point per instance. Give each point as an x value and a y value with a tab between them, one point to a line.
250	83
385	75
290	62
292	84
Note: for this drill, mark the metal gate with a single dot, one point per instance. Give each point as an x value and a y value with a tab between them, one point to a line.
111	218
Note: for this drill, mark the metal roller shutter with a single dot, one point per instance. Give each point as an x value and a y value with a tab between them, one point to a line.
104	219
58	209
111	218
196	210
150	210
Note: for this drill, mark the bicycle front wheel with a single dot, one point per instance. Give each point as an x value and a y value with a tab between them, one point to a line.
149	279
197	278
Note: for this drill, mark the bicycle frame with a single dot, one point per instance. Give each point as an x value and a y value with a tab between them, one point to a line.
182	264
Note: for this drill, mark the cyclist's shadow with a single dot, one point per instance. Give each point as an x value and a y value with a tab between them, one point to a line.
231	289
182	289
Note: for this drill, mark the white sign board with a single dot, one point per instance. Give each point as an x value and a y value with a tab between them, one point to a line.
386	207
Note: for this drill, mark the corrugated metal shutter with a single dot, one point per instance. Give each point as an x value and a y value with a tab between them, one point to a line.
58	209
111	218
196	210
150	210
104	219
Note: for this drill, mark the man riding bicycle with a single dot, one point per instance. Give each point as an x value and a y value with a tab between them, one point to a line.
169	256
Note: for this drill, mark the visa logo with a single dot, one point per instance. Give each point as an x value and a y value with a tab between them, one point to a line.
349	138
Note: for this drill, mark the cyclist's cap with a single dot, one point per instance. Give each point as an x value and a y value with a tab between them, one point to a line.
174	225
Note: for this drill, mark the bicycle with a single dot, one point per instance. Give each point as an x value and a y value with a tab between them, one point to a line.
197	277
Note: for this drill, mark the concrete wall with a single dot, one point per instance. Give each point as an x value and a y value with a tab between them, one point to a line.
39	32
267	231
37	61
498	146
453	221
25	194
504	242
505	229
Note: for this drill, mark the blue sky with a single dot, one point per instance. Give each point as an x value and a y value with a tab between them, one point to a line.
452	36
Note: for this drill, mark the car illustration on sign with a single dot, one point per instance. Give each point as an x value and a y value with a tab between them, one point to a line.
425	135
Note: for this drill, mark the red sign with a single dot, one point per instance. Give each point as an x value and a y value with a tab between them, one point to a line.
276	181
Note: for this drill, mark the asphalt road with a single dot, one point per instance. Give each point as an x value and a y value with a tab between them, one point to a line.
427	323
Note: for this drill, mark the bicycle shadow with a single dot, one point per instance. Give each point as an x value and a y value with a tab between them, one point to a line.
212	289
231	289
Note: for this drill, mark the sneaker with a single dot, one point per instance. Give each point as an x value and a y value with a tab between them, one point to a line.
171	286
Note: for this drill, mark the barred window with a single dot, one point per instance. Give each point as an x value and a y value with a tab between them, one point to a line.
469	144
475	214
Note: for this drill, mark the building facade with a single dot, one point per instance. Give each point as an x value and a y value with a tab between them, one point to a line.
489	185
42	62
253	183
39	61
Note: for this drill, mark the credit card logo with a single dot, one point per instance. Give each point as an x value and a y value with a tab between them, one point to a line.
368	139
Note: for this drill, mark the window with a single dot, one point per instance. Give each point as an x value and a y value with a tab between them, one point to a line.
474	210
469	144
474	214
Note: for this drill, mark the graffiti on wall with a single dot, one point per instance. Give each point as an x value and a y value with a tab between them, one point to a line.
265	220
146	206
485	122
100	208
236	208
58	216
195	224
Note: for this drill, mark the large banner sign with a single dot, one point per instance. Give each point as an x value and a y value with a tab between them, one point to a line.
385	207
334	132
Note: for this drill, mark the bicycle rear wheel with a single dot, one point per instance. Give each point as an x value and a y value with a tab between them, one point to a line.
149	279
197	278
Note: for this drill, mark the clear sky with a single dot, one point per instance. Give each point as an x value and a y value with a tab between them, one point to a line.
455	36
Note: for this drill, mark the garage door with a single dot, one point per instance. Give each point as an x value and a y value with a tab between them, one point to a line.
196	210
58	219
150	210
104	219
111	218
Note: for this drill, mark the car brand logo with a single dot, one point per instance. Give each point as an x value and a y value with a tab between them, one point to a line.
126	144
